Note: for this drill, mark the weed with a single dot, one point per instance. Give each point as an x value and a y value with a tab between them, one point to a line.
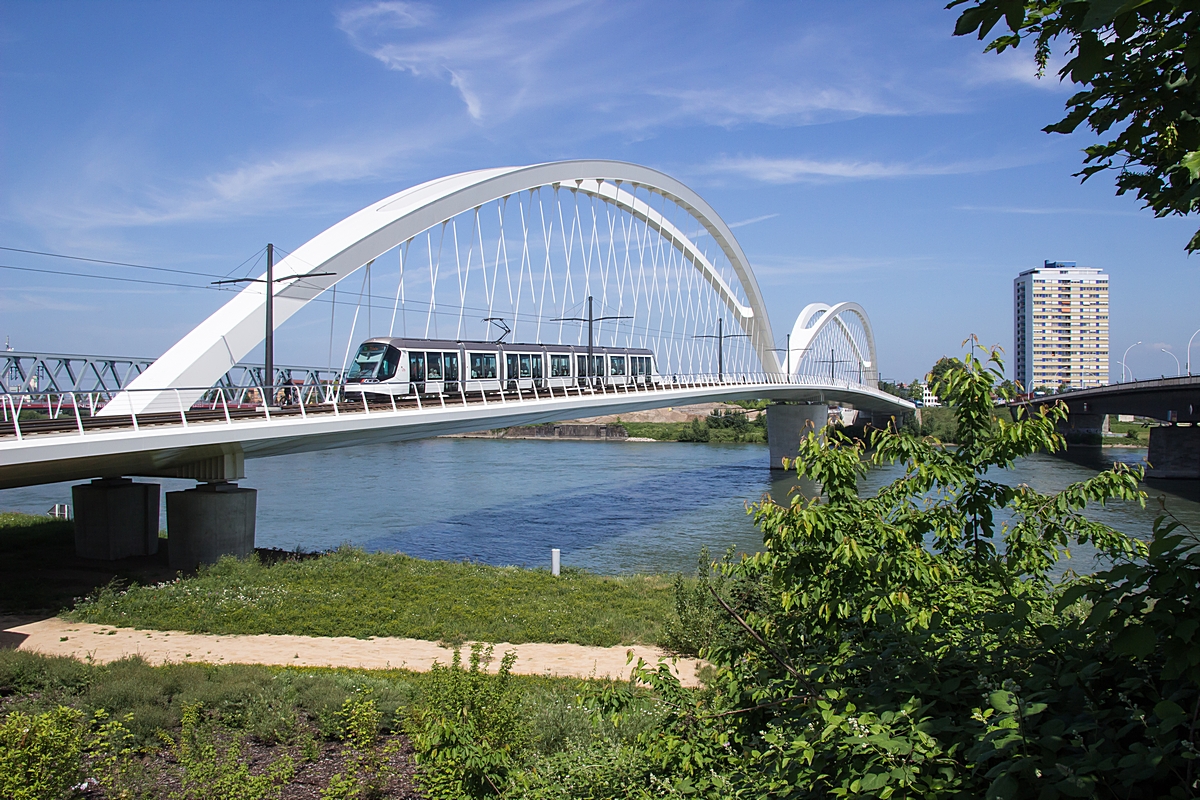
40	754
113	760
214	773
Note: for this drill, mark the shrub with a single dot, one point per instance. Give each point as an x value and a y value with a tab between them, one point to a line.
469	734
23	672
40	754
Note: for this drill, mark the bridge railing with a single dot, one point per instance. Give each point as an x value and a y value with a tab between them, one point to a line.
30	413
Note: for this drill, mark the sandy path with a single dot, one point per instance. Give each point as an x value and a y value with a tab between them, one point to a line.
104	643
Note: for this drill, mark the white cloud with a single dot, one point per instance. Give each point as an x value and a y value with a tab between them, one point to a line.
801	170
1046	211
743	223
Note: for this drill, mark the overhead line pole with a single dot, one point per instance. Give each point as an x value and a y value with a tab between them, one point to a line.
721	337
268	377
590	320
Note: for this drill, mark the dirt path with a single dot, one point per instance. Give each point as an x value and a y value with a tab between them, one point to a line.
104	643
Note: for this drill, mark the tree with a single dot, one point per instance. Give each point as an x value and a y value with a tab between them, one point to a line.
1137	62
944	365
915	642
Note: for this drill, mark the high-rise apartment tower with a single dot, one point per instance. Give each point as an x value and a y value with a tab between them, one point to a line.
1060	326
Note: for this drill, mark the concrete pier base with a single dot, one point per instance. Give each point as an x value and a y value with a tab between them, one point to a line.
1174	452
787	424
115	518
1084	428
210	521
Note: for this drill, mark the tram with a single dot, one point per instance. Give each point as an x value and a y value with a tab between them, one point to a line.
394	367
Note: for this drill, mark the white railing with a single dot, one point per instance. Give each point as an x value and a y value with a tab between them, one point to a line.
25	413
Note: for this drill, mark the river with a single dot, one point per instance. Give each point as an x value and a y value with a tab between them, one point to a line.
611	507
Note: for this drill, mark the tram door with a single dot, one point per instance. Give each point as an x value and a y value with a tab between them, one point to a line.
512	370
433	373
416	371
450	371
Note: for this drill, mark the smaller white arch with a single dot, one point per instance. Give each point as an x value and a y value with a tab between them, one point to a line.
815	317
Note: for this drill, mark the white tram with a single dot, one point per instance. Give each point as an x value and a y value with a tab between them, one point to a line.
402	367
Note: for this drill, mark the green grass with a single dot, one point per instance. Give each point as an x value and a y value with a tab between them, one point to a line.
352	593
1140	431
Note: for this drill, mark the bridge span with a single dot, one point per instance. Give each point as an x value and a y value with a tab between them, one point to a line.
524	251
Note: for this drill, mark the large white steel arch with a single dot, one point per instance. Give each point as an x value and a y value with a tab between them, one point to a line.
816	318
201	357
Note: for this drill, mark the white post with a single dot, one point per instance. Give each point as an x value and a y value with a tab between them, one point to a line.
555	561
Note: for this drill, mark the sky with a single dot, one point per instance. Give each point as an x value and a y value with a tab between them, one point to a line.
860	151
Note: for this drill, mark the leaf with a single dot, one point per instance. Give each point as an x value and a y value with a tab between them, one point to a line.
1002	788
1135	640
1002	701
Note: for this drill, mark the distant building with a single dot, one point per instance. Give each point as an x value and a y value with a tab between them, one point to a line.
928	398
1060	326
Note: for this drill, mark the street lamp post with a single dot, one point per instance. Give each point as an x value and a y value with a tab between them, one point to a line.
1127	349
1178	371
1189	352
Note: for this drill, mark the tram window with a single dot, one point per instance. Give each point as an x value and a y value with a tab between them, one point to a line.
366	361
387	367
511	366
416	366
582	364
483	365
537	366
433	362
598	366
560	366
451	362
617	365
525	373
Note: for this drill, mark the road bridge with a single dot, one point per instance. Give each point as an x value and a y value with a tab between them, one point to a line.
524	249
1174	448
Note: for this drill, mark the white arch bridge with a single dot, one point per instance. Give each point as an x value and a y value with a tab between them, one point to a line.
528	249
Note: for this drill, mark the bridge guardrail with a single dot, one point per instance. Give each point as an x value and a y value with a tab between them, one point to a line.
76	412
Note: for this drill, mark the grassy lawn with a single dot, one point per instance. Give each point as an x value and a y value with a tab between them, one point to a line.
689	432
1140	432
352	593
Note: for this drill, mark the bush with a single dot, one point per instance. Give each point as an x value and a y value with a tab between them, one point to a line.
40	754
469	735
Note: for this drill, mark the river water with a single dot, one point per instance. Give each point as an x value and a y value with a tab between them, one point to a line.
611	507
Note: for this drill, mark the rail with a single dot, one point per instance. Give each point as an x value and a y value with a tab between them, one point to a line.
25	414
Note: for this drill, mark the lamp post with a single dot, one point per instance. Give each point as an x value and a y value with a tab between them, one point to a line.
1189	352
1127	349
1178	372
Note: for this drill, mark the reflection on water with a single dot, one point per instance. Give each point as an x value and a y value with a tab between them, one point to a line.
610	507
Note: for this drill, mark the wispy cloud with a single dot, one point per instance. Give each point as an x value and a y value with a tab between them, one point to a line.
743	223
802	170
1046	211
492	59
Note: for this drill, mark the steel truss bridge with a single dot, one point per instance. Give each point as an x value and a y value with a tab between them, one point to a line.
526	245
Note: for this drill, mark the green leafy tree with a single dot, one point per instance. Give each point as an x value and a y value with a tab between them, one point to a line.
1137	62
915	643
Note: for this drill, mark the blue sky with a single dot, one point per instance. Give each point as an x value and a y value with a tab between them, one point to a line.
862	152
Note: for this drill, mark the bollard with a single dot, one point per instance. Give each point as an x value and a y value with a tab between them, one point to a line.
555	561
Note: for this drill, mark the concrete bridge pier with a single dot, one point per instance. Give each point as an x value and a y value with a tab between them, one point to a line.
1174	451
212	520
1084	428
115	518
787	424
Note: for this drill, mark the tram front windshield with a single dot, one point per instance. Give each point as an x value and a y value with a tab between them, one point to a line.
366	361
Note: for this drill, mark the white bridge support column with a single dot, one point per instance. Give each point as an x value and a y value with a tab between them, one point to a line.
213	520
787	424
115	518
